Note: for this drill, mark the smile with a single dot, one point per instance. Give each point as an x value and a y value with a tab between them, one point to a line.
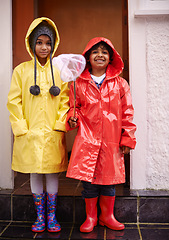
99	60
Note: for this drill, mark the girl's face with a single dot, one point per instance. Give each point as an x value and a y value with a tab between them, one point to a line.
43	48
99	58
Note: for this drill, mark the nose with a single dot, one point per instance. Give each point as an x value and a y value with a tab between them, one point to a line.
100	53
44	46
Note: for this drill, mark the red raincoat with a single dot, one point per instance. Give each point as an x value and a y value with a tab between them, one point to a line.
104	124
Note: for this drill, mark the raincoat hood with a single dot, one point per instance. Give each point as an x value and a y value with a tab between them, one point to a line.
116	65
33	25
40	30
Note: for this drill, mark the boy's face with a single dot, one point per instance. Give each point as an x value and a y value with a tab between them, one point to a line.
43	48
99	58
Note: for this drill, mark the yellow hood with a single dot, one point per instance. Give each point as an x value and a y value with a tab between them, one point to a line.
31	28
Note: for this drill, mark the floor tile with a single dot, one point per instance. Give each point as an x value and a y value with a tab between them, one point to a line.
18	232
23	208
126	209
22	223
97	233
5	207
154	210
80	213
64	210
129	233
155	232
3	225
63	234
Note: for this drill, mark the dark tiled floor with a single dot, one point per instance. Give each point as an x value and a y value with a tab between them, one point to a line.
22	230
144	213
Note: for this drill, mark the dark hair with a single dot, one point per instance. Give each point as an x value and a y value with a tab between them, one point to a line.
102	43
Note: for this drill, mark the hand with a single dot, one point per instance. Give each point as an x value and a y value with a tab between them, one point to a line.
125	149
72	122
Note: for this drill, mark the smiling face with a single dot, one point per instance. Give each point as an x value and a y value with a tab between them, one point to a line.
43	48
99	59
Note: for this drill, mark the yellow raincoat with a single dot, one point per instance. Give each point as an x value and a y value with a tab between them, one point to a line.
38	122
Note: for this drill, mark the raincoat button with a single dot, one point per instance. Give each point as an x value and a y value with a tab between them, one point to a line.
94	177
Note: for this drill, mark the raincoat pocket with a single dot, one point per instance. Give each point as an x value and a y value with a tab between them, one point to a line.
54	148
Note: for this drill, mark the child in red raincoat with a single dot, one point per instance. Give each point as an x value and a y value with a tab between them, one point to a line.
104	115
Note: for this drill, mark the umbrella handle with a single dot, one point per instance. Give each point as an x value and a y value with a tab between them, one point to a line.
74	98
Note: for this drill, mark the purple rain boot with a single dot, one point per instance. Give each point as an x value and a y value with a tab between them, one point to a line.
39	201
53	225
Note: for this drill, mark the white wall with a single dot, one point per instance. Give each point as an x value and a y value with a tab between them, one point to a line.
6	175
157	45
149	79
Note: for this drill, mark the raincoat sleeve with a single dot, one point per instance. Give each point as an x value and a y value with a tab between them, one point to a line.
14	105
128	127
71	110
63	108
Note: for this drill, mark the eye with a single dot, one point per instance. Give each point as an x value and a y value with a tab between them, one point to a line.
48	43
38	42
105	52
94	51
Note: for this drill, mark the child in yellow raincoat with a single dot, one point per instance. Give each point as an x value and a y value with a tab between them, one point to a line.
38	110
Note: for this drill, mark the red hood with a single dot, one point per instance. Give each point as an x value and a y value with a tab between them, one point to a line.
116	65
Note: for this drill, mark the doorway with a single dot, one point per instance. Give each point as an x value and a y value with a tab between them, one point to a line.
77	22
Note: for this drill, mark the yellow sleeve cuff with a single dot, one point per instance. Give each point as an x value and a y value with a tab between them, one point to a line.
20	127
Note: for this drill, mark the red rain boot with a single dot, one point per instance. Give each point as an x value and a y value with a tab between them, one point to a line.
106	217
91	215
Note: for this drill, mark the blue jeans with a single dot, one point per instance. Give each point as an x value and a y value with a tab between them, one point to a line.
95	190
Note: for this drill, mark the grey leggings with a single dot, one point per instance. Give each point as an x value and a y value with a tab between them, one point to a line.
36	183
